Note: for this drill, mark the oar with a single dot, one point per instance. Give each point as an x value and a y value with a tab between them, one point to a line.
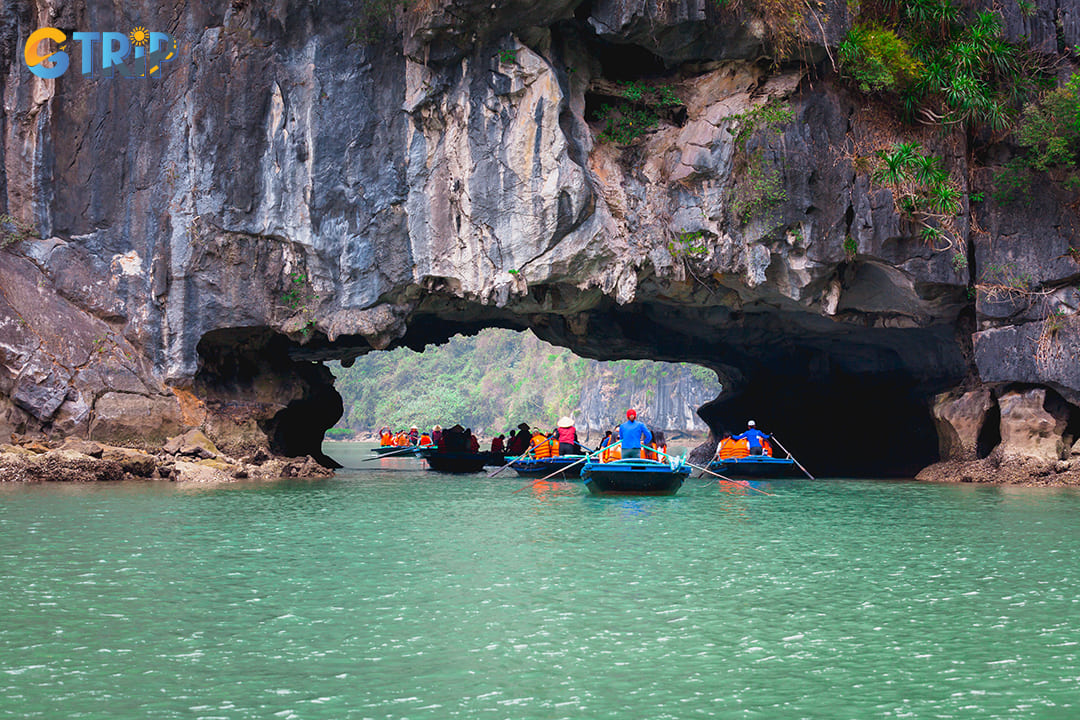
493	474
391	454
567	467
698	467
780	445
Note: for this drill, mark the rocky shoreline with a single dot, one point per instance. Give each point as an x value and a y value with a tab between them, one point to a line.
191	457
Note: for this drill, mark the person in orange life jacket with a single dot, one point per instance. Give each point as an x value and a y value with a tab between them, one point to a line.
754	437
633	435
567	436
425	439
497	444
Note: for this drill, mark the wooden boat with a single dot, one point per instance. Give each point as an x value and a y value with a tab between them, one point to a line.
634	476
398	450
756	466
454	462
561	464
493	459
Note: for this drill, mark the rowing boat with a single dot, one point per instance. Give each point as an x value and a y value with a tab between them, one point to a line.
454	462
756	466
635	476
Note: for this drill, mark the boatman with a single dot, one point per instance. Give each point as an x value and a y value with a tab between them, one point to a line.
754	437
633	435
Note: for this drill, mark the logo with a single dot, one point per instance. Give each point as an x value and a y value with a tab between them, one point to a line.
101	54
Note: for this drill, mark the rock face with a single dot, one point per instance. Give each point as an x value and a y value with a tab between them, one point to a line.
961	422
668	401
313	181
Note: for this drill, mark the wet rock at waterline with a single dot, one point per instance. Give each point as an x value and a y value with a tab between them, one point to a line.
292	192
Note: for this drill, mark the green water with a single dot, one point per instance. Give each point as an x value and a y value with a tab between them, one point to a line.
400	593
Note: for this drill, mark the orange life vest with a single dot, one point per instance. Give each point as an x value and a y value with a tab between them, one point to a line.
401	439
614	453
425	439
542	447
766	448
647	452
385	439
734	449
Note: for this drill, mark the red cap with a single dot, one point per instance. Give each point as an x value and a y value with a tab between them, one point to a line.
631	414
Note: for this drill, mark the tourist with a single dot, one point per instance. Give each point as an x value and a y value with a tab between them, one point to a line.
414	435
633	435
436	434
754	437
521	440
567	435
611	449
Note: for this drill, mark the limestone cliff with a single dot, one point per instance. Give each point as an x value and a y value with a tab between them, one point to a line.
313	181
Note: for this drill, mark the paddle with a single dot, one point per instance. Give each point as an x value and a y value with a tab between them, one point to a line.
698	467
391	454
778	444
564	469
493	474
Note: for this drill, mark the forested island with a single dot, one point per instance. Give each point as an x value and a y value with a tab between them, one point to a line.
499	378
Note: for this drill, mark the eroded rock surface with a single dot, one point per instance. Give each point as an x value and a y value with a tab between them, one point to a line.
308	183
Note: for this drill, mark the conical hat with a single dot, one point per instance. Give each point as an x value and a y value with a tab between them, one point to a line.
565	422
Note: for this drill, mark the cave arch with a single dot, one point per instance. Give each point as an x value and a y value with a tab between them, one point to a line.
848	399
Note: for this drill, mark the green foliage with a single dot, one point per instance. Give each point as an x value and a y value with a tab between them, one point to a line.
632	90
668	98
851	247
339	434
13	231
1050	128
688	243
641	111
959	262
493	381
295	295
1013	183
624	123
944	64
922	190
877	59
772	116
508	56
760	189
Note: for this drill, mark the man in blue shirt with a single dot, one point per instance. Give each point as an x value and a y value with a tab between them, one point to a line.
633	435
754	437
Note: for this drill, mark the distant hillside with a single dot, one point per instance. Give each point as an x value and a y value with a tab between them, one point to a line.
499	378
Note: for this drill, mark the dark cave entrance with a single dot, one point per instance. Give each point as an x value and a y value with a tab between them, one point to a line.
849	426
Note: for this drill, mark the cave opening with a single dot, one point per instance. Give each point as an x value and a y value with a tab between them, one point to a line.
845	400
497	378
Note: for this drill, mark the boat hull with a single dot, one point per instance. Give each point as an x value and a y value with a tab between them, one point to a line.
397	450
634	476
455	462
756	466
565	467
